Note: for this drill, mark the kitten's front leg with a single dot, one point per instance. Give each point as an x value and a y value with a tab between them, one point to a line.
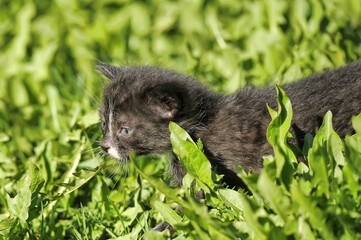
177	172
163	226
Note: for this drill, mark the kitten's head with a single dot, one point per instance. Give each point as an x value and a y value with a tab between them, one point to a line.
138	105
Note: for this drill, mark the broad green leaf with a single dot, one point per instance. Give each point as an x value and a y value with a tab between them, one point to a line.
336	150
19	93
169	215
82	177
136	230
308	142
4	137
48	45
9	167
277	133
320	159
37	180
274	196
172	193
193	159
41	60
304	230
155	235
180	133
130	214
72	136
200	144
232	199
356	123
251	218
277	233
76	234
29	188
272	113
54	105
19	205
203	224
89	119
6	225
352	147
249	179
351	179
353	153
140	21
16	49
311	211
188	181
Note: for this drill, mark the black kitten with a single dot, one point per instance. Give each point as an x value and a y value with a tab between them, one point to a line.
139	103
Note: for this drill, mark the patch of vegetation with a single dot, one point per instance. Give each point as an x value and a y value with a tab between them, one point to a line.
54	184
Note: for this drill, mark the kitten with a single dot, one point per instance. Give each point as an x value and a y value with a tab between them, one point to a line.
140	101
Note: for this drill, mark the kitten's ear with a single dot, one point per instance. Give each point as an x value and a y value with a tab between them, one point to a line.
107	70
165	100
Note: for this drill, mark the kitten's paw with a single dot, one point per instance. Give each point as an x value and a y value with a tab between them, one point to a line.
163	226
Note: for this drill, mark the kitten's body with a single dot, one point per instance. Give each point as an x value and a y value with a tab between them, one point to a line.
142	100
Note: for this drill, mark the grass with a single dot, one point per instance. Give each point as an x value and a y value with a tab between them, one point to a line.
54	183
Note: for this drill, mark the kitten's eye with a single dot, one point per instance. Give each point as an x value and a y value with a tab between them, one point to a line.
126	131
102	125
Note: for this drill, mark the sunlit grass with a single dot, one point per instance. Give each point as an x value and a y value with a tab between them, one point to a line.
49	95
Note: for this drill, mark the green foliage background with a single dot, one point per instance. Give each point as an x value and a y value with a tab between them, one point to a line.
49	93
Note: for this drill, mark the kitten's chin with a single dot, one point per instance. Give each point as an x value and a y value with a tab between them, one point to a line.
113	153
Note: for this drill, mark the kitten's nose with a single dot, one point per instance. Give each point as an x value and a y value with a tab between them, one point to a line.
104	146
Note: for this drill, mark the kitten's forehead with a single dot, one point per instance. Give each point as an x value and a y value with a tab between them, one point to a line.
137	78
114	99
128	89
119	112
114	93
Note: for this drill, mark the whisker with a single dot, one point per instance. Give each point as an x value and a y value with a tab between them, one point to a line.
115	184
113	170
97	158
126	172
92	99
95	97
119	165
93	149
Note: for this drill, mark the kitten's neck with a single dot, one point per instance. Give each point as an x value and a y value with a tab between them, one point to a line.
205	107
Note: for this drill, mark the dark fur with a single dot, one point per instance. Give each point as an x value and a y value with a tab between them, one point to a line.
232	127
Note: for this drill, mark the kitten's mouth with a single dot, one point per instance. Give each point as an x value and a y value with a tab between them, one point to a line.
113	153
